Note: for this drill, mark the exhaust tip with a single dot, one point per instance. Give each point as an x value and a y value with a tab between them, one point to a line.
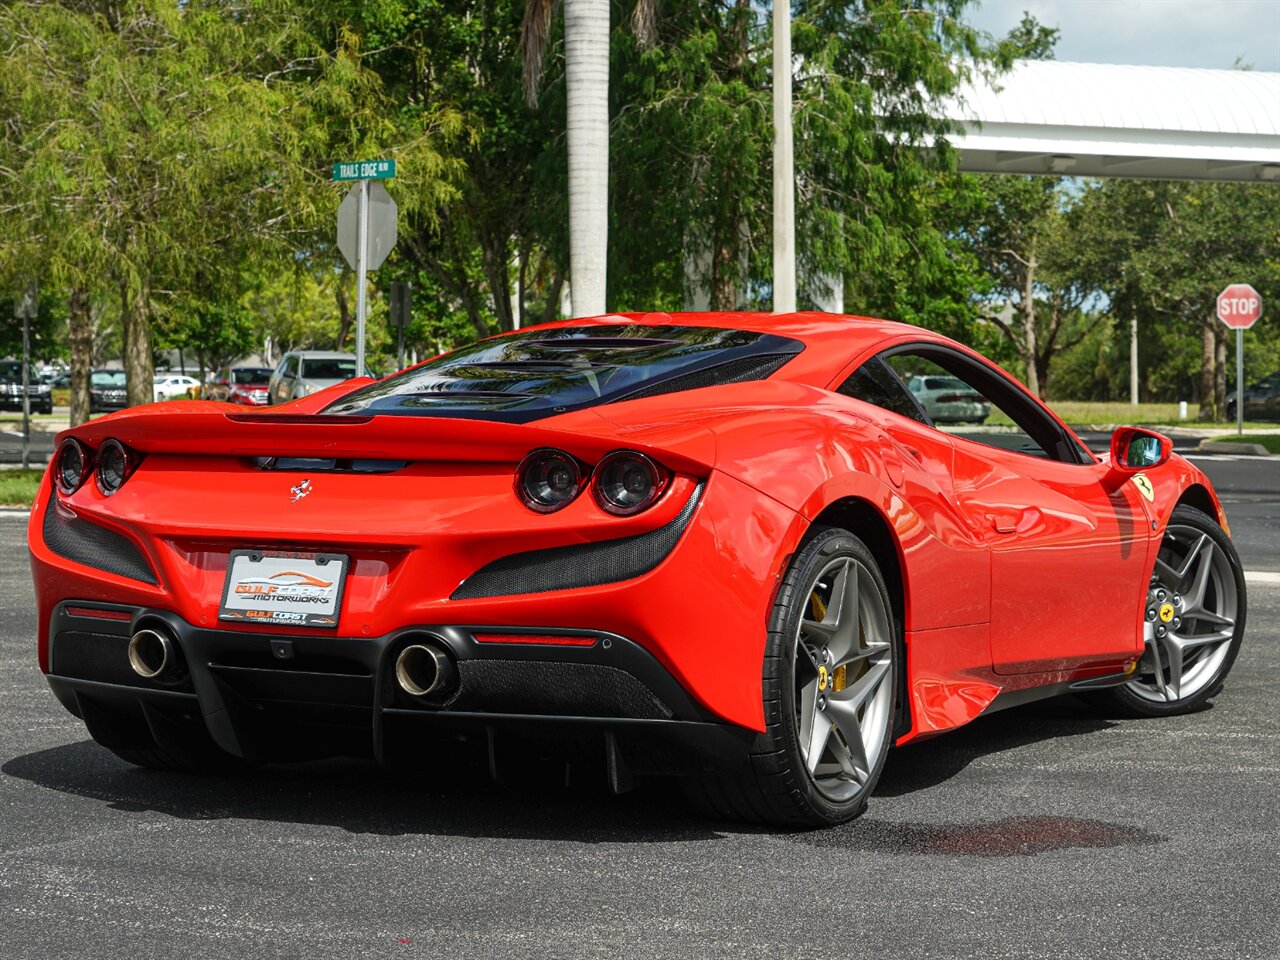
422	670
151	653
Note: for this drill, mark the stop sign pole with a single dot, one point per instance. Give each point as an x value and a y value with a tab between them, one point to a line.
1239	307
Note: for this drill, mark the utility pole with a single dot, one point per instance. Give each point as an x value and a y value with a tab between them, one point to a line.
784	179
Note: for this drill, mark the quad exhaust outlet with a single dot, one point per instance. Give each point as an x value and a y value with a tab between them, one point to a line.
423	670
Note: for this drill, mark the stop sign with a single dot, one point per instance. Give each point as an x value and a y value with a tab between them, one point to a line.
1239	306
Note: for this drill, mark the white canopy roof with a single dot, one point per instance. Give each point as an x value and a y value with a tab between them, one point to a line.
1109	120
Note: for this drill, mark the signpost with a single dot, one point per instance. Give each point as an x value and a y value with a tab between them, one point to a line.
366	229
1239	307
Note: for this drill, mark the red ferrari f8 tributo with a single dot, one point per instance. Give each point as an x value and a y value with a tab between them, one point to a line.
735	548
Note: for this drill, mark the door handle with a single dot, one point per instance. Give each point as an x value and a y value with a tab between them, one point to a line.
1002	524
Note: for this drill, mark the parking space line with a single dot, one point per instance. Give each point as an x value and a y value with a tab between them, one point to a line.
1261	576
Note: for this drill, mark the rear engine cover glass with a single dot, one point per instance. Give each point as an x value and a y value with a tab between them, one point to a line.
542	372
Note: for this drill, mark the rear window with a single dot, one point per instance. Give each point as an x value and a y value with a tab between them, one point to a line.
539	373
328	368
107	378
251	376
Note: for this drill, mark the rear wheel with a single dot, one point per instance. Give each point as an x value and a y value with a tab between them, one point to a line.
830	682
1194	616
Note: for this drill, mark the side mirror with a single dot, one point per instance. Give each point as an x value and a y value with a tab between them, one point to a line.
1133	449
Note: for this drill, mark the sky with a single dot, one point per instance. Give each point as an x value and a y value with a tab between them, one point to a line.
1171	33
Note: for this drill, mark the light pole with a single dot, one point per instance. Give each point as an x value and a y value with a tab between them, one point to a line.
784	180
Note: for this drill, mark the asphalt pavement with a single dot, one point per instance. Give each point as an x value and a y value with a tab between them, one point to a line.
1050	830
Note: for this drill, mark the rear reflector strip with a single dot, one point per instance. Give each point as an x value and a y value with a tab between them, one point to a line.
546	640
98	614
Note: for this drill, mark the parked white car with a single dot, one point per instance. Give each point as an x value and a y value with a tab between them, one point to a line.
173	386
949	400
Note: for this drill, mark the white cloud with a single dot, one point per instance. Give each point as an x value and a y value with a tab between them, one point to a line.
1175	33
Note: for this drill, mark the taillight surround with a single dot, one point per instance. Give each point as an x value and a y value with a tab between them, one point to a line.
74	463
115	465
625	483
548	480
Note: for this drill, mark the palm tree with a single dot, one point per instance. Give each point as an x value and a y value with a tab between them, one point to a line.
586	49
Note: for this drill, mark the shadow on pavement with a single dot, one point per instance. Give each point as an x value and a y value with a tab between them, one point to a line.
926	764
364	798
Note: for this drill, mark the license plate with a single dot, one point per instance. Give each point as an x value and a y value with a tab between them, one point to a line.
284	588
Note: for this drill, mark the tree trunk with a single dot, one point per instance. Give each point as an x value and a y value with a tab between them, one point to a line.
1029	326
586	46
345	317
80	339
1207	411
1220	371
139	369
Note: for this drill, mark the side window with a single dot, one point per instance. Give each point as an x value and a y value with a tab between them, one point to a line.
291	366
874	383
968	400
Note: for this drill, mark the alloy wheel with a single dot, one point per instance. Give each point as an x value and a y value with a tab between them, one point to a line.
844	678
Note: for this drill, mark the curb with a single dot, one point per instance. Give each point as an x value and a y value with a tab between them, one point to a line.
1238	448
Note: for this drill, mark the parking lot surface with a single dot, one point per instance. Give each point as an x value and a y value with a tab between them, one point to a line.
1049	830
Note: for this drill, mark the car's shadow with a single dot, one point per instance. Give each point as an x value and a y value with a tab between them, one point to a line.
364	798
931	762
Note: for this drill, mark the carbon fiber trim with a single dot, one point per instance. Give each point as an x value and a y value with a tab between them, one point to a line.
94	546
587	565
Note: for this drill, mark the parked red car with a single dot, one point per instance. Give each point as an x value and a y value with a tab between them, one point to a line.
246	385
731	547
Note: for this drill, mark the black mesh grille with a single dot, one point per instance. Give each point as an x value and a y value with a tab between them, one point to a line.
734	371
587	565
560	689
102	657
94	546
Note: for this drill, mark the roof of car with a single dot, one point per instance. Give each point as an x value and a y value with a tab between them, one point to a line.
322	354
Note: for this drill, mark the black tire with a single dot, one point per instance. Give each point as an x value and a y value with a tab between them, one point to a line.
774	787
1126	701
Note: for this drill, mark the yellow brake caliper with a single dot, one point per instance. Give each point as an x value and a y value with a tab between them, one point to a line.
819	613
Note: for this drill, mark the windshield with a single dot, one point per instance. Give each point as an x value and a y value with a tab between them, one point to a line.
541	372
328	368
255	376
11	372
107	378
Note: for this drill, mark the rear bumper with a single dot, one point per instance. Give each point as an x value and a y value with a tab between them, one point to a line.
272	698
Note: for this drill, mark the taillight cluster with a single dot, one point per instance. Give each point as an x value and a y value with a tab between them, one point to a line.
623	483
112	466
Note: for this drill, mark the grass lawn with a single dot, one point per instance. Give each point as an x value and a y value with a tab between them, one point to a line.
1269	440
1080	413
18	487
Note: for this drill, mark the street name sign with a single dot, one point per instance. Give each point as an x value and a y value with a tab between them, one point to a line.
1239	306
364	170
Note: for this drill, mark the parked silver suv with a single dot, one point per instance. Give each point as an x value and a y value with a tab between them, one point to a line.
302	372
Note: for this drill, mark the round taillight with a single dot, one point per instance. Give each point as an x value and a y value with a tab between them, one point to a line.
73	467
548	480
115	463
626	482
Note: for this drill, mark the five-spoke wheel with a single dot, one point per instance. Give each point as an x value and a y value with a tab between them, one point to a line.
830	686
1193	618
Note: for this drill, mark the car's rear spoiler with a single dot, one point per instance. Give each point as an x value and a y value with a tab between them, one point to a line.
204	428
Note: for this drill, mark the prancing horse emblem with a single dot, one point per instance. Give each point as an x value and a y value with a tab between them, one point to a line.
300	490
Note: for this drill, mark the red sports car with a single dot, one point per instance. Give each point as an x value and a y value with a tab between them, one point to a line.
730	547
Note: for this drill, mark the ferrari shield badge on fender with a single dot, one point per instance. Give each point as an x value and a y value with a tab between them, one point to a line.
1144	487
303	487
